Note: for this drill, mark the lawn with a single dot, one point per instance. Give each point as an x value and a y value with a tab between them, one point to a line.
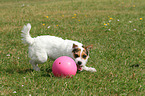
116	28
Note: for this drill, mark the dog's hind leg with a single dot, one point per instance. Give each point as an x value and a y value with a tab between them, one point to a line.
35	66
40	58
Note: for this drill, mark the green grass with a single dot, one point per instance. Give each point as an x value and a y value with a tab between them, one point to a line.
117	46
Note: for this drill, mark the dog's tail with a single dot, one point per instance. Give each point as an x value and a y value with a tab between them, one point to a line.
26	38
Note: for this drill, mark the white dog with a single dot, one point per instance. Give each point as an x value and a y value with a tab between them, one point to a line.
42	47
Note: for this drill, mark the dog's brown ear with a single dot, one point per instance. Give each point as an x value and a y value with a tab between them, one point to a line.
74	45
89	47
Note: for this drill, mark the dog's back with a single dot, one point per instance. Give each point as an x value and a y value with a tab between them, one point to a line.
53	46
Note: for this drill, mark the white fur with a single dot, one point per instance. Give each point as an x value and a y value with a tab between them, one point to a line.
42	47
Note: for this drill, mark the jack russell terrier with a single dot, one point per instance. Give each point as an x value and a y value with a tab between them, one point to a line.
42	47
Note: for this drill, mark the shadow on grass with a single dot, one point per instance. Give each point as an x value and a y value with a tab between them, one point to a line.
23	71
43	73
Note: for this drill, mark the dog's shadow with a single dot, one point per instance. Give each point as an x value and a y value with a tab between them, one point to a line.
21	71
43	72
24	71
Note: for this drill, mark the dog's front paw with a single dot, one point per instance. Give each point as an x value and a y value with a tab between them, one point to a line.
93	70
90	69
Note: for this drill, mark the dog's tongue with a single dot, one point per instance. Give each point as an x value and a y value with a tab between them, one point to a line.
79	68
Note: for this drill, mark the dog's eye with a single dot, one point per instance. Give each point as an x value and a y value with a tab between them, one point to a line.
84	56
76	55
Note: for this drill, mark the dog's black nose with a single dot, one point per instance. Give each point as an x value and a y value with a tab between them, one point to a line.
79	62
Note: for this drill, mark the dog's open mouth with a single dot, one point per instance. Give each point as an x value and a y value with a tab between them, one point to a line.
79	67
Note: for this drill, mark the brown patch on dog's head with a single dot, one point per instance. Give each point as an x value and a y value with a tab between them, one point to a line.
76	51
87	49
84	54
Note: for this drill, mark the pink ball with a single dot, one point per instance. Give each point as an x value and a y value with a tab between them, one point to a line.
64	67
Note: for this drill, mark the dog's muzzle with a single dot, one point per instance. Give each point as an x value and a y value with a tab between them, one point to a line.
79	67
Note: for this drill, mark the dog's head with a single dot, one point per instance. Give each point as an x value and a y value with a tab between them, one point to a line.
81	55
